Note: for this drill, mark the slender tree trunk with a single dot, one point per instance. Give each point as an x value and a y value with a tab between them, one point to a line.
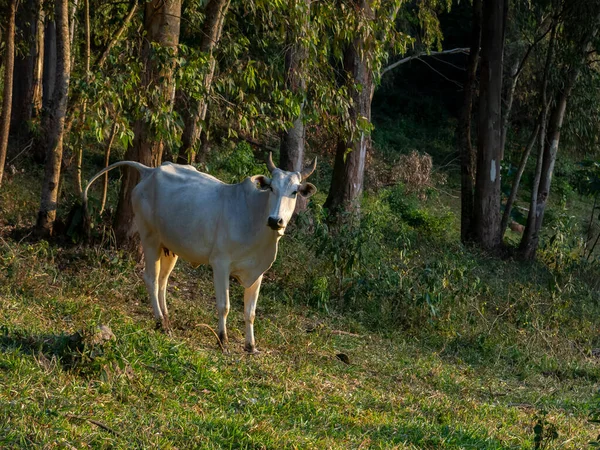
78	187
73	22
292	141
465	146
111	139
517	181
349	168
23	84
38	70
545	108
510	95
489	154
76	104
549	151
49	75
215	13
54	121
530	240
9	65
161	23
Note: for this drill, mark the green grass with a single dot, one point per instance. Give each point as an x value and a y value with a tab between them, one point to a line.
509	345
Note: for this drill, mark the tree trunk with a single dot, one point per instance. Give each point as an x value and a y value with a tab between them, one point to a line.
215	13
23	85
517	181
549	151
73	22
49	75
75	104
291	156
54	121
38	71
9	65
489	148
465	146
87	55
349	168
530	240
510	95
161	23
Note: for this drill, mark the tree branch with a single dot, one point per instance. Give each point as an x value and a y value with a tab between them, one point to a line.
422	54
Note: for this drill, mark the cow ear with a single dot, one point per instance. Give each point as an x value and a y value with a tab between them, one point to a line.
307	189
261	181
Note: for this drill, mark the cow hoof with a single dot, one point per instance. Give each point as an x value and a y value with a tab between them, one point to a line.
251	350
164	325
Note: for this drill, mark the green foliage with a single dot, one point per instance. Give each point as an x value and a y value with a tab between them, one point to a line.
406	206
235	163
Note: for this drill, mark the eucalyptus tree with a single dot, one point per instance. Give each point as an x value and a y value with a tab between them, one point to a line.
53	123
363	33
162	26
9	64
291	150
194	115
575	44
465	146
26	86
486	205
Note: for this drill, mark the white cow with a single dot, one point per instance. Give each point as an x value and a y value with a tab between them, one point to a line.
233	227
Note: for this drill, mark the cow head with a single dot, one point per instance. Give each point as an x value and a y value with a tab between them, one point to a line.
284	188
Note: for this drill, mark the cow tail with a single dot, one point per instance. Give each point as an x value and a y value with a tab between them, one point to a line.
142	169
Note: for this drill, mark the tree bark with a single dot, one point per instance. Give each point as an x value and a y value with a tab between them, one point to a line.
75	104
530	240
161	23
489	149
23	85
73	22
549	150
38	71
465	146
49	75
54	121
291	152
87	56
9	65
349	168
517	181
212	28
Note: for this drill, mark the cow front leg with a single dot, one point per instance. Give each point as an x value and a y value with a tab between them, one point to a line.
221	281
250	298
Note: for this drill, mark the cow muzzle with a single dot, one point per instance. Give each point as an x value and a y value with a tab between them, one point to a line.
276	223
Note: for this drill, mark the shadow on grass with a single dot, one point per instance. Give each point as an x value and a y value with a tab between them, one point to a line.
64	348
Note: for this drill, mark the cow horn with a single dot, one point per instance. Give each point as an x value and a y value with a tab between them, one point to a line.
270	164
308	170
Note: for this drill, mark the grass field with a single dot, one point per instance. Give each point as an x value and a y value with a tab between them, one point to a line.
507	356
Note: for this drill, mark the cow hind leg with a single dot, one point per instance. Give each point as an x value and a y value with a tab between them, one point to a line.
151	274
221	281
250	298
167	263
